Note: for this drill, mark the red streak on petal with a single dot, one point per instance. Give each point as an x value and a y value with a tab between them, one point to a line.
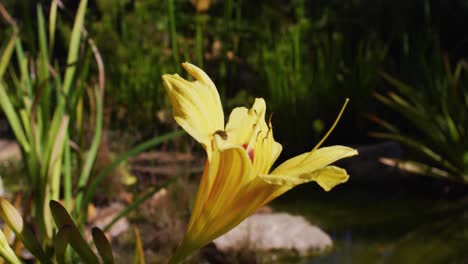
249	152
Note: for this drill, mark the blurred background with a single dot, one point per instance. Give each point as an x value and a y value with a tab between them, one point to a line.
401	64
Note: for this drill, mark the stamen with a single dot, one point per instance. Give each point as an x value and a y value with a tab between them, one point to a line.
269	119
333	126
258	134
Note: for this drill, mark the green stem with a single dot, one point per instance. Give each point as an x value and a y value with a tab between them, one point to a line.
136	150
135	204
199	39
173	31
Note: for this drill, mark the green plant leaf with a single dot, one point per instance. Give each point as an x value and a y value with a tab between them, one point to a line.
92	152
61	243
73	48
13	219
76	240
52	25
6	54
139	255
103	246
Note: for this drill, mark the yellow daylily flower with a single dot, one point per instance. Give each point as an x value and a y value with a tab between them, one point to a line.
237	178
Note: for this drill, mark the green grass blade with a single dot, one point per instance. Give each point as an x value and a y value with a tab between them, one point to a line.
67	174
91	155
56	159
134	151
136	203
419	147
43	70
73	48
6	54
52	25
173	31
43	48
23	67
13	119
139	255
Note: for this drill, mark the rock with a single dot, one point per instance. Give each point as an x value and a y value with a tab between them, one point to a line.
276	231
9	150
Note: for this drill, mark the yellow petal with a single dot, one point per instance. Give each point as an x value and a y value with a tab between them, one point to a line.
244	123
253	196
327	177
316	159
196	104
228	173
247	127
266	151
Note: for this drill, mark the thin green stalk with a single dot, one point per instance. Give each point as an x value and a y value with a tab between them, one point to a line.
91	155
23	67
199	38
74	46
135	204
67	175
134	151
173	32
56	159
52	25
43	69
6	54
13	119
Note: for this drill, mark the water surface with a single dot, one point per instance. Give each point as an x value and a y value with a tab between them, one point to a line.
406	219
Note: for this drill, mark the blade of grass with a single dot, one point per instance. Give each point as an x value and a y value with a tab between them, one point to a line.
139	255
419	147
74	46
43	70
6	54
91	155
52	25
13	119
23	67
136	203
67	175
89	192
173	32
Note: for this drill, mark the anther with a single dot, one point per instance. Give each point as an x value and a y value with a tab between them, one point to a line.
222	134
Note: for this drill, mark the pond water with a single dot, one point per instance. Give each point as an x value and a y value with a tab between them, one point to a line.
402	220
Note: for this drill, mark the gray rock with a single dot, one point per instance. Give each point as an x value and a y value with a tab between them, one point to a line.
275	232
9	150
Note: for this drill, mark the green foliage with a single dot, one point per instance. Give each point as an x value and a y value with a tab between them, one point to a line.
434	108
67	234
136	53
43	100
40	101
297	59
